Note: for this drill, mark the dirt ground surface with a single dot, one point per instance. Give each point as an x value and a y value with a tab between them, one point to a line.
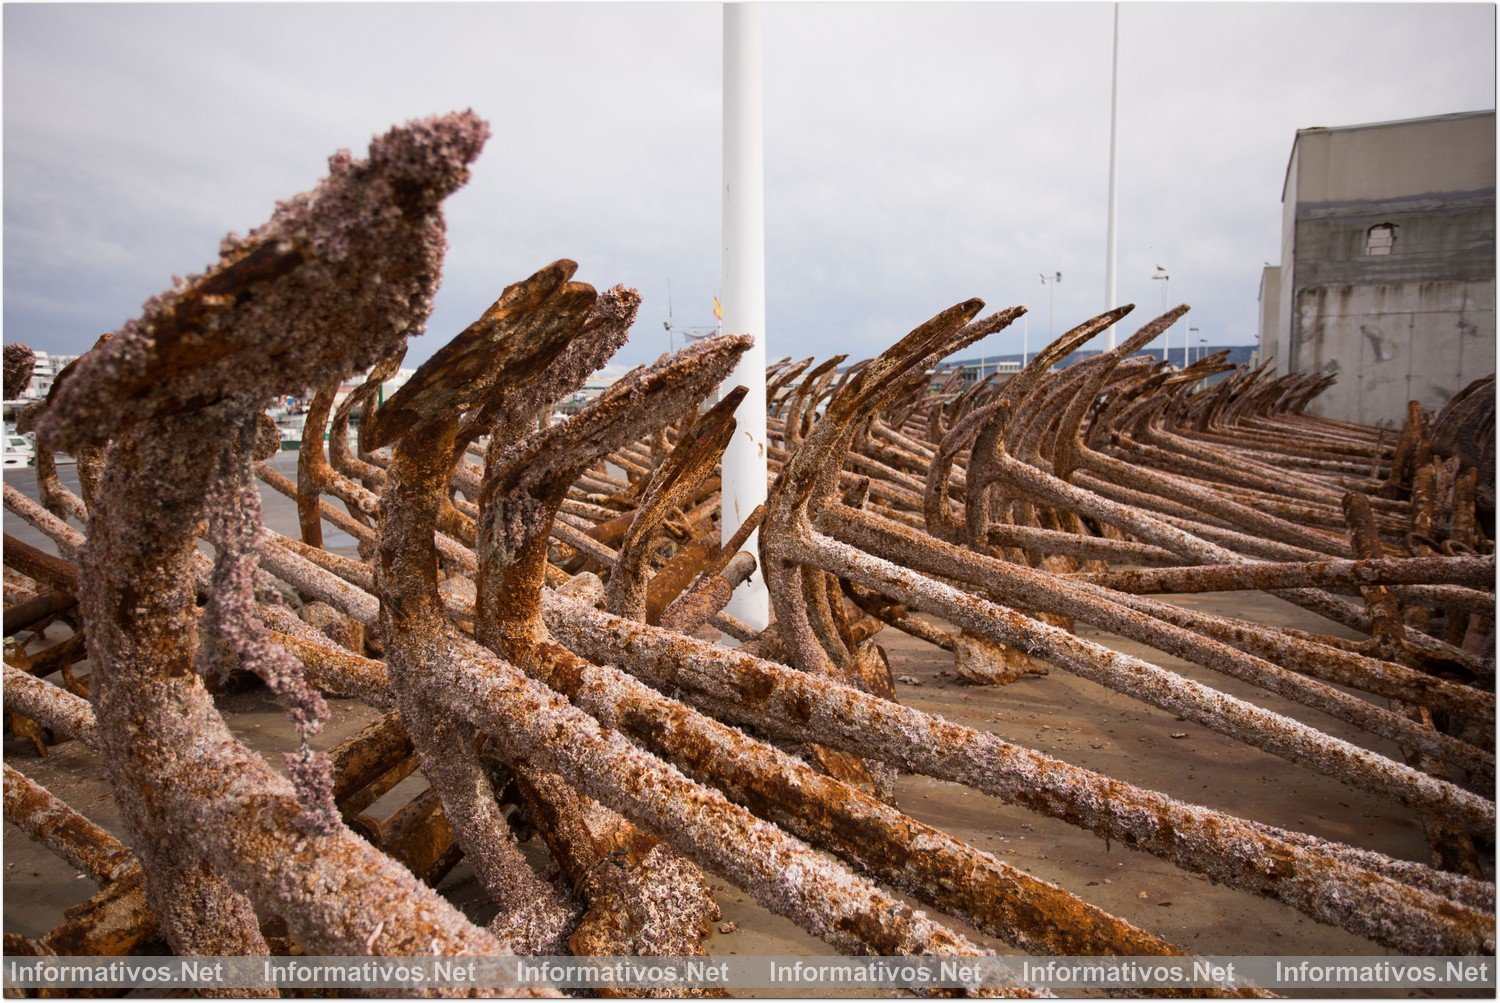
1060	714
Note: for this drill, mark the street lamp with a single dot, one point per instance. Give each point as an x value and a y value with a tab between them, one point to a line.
1187	351
1166	282
1051	283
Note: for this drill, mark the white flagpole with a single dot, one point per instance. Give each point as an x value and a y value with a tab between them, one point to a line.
1114	203
743	476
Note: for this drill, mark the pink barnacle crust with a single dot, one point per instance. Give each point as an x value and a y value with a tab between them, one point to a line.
19	362
330	284
234	521
311	774
432	154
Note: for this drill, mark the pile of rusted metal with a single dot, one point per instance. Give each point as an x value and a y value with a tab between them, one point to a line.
536	609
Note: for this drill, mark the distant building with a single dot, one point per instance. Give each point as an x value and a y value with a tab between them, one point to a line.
595	385
42	375
971	371
1387	273
46	370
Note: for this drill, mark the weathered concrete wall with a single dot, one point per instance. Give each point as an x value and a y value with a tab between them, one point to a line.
1417	323
1441	236
1286	287
1390	344
1270	316
1447	153
1388	263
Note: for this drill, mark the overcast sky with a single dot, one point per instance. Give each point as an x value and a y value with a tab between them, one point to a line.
916	155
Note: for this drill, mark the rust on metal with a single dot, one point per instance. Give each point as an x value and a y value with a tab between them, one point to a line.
524	611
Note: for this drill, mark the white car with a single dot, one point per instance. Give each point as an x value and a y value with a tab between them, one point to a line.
18	451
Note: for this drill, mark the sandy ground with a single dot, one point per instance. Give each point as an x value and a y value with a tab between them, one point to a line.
1060	714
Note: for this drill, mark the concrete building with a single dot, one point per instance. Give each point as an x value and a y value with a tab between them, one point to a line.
1387	273
971	371
43	373
42	376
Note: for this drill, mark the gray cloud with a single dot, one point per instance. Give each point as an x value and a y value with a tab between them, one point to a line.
916	155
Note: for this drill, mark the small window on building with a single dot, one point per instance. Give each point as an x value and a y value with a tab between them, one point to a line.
1379	239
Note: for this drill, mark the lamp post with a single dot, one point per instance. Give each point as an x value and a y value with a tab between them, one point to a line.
1166	282
983	357
1187	351
1051	283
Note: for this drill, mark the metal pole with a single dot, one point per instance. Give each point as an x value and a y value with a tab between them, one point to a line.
744	469
1051	299
1025	338
1114	203
1166	283
982	355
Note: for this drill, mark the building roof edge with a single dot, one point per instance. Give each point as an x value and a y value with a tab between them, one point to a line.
1321	130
